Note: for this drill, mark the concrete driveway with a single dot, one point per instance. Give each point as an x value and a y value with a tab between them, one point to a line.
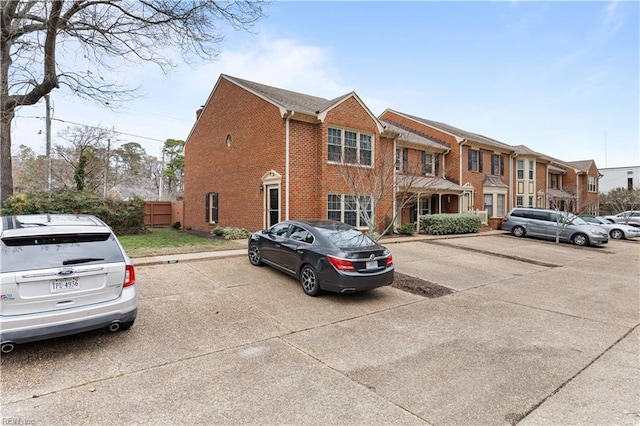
536	333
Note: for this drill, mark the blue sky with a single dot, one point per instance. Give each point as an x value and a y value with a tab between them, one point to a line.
559	77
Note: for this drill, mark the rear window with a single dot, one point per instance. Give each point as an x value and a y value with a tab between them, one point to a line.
55	251
347	238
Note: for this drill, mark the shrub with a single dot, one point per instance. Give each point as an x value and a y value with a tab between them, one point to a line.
406	229
231	233
124	217
443	224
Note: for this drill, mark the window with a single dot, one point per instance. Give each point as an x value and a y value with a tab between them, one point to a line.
531	169
555	181
497	164
488	204
301	234
279	230
519	200
591	185
349	147
427	163
402	159
630	183
501	203
530	200
211	207
520	168
474	159
348	209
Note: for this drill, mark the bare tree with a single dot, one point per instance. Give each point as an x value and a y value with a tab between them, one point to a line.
99	36
86	155
619	200
381	192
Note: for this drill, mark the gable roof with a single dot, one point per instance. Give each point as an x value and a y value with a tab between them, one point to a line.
286	99
459	134
582	166
295	102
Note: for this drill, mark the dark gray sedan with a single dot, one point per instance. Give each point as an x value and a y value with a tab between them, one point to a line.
323	255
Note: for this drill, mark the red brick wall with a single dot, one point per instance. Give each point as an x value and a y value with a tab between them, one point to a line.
235	171
258	145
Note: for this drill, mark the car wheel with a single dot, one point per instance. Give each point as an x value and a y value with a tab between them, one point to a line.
254	255
518	231
309	281
616	234
580	240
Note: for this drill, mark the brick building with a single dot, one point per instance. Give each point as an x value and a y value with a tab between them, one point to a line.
259	154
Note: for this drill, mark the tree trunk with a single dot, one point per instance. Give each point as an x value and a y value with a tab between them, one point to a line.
6	172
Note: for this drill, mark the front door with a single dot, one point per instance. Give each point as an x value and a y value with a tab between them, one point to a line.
273	205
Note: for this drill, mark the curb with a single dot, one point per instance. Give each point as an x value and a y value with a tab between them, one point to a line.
194	257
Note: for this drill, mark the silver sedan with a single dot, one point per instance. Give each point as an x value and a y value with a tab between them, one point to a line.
615	230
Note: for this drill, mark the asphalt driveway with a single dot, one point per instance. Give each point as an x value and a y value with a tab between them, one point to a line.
536	333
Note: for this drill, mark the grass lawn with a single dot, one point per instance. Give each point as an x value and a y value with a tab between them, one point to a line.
163	241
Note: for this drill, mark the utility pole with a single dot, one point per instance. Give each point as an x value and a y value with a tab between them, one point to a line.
47	102
106	166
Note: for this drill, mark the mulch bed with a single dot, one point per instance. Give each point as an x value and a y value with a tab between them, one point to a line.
419	286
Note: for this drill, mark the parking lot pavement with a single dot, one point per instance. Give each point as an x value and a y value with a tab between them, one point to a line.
523	340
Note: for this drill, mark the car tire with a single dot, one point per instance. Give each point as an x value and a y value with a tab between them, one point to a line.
580	239
309	280
518	231
255	257
616	234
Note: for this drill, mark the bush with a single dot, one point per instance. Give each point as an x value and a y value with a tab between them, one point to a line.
406	229
231	233
124	217
443	224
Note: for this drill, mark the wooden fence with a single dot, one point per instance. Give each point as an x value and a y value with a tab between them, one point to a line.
159	214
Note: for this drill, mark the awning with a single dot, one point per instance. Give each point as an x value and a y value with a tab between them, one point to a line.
428	184
559	194
494	182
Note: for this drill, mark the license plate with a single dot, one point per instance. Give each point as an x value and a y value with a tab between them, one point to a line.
65	285
372	264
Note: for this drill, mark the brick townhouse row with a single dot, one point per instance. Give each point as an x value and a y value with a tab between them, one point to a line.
258	154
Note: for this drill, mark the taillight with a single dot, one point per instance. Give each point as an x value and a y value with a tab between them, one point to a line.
389	260
129	276
341	264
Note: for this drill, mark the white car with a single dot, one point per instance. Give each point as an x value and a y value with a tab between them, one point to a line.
61	275
615	230
630	217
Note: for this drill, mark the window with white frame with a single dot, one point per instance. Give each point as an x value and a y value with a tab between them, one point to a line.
349	209
531	169
349	147
555	181
474	160
500	208
519	200
520	169
591	185
495	203
497	165
428	165
402	159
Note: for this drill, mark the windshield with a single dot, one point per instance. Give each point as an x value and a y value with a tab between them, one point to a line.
347	238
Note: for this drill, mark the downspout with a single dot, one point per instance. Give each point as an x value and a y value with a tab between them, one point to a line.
512	195
395	186
286	165
461	208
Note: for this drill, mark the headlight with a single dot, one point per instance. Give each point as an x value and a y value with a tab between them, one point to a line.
597	233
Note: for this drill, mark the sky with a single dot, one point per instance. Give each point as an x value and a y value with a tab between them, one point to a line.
559	77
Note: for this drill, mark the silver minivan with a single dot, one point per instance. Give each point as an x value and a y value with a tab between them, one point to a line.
60	275
549	224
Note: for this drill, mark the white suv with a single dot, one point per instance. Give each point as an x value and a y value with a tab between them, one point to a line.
60	275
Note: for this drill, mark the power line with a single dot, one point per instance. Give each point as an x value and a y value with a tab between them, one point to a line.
95	127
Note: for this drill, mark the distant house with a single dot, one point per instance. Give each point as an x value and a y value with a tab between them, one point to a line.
259	154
